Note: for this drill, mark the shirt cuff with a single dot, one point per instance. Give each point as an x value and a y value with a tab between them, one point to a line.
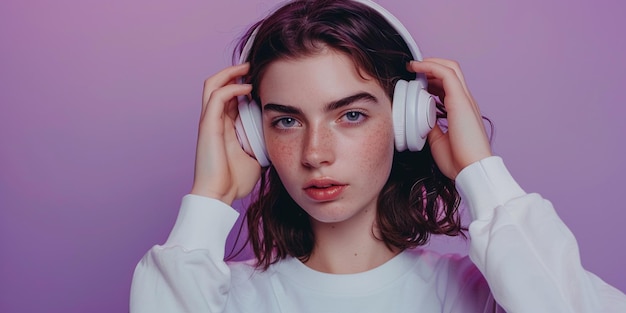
202	223
485	185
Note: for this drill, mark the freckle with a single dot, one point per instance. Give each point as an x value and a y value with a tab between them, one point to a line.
355	254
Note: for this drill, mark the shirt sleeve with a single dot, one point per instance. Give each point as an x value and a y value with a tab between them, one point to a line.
528	256
188	272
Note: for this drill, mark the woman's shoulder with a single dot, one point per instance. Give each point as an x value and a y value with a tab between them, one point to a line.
247	273
429	256
455	274
442	265
243	268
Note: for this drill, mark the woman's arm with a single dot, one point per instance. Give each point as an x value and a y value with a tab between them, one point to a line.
528	256
188	272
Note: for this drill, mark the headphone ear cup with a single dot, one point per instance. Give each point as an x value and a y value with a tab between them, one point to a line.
398	112
414	114
421	115
249	129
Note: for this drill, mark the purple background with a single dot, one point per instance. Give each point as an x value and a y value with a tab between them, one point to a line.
100	100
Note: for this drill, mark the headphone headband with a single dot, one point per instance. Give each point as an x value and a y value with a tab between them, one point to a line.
390	18
398	26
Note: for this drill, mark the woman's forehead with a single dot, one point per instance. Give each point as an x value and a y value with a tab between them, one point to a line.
329	75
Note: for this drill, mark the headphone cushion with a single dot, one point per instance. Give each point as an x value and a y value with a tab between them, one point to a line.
398	114
249	129
412	117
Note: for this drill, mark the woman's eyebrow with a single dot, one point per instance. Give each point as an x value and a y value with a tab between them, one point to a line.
285	109
331	106
361	96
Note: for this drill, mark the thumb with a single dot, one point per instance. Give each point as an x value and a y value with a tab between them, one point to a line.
442	152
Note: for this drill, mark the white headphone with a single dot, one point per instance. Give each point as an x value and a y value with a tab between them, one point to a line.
413	108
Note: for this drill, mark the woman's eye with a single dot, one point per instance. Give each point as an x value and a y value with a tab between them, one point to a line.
286	122
354	116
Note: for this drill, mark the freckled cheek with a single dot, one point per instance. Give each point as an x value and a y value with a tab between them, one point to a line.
280	150
379	148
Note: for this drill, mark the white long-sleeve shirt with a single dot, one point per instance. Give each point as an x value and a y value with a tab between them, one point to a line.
521	254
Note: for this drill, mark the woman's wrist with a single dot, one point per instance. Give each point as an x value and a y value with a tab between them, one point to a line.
486	184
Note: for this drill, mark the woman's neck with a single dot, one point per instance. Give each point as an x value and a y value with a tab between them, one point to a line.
350	246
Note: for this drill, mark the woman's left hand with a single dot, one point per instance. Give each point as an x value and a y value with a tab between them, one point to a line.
465	141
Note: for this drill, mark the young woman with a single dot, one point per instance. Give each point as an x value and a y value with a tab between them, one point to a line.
340	212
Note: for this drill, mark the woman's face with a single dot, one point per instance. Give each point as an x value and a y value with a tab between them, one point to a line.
328	132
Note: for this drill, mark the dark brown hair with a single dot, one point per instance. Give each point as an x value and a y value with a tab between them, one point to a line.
417	199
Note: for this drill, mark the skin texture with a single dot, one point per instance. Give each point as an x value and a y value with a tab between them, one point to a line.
326	144
351	146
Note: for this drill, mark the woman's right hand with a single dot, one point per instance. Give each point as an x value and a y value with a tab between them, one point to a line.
223	170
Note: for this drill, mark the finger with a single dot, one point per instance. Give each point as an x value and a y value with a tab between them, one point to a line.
452	86
222	78
456	67
435	87
457	101
215	112
435	137
441	151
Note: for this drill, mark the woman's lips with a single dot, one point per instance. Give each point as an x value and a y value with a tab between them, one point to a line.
324	190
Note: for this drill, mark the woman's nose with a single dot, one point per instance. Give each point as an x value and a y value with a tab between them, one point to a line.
318	147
